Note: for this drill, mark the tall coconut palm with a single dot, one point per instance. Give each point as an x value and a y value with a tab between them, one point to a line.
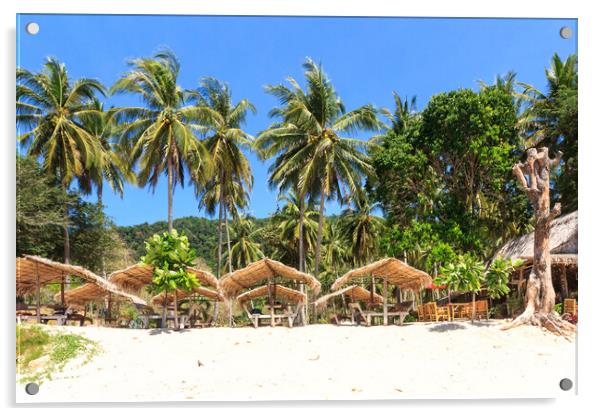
221	120
159	133
309	145
362	230
50	106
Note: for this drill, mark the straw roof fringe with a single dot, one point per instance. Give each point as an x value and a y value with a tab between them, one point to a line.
208	293
234	283
30	267
139	275
279	292
90	292
557	259
354	291
563	240
395	271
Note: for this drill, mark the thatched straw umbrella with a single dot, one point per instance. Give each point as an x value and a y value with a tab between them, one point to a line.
139	275
273	291
34	272
264	270
181	295
355	292
392	271
90	292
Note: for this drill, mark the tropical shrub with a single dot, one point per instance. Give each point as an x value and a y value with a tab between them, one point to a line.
170	254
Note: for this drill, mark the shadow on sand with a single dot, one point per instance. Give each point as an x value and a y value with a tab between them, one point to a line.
446	327
157	331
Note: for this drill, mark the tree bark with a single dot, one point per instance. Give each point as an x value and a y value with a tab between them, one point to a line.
534	179
219	251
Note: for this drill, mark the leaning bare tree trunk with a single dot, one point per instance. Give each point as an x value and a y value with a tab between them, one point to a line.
534	178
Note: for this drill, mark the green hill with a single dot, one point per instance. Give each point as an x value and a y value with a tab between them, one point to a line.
201	232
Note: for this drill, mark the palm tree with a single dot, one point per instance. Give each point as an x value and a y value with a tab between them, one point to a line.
50	107
404	114
336	250
362	230
233	179
159	133
245	248
288	222
112	166
535	124
308	142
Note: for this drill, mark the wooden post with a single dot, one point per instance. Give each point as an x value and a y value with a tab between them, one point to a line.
38	294
62	289
271	300
109	309
385	312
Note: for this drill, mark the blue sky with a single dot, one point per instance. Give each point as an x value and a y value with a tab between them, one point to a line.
366	58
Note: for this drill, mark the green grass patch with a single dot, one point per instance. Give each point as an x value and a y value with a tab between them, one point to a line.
40	354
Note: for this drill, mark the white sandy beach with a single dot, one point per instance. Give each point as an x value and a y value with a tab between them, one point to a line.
320	362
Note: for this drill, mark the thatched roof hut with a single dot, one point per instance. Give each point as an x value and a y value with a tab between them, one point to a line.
394	271
260	271
32	268
563	242
91	292
139	275
208	293
277	292
355	292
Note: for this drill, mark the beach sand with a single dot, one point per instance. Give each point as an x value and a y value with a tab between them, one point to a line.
319	362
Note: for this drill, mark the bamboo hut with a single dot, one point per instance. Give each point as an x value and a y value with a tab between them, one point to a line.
33	272
564	253
272	292
391	271
264	271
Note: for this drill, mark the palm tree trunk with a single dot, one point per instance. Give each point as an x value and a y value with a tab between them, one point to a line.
175	311
169	194
301	221
228	242
99	203
219	253
164	316
302	251
473	306
66	248
319	236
